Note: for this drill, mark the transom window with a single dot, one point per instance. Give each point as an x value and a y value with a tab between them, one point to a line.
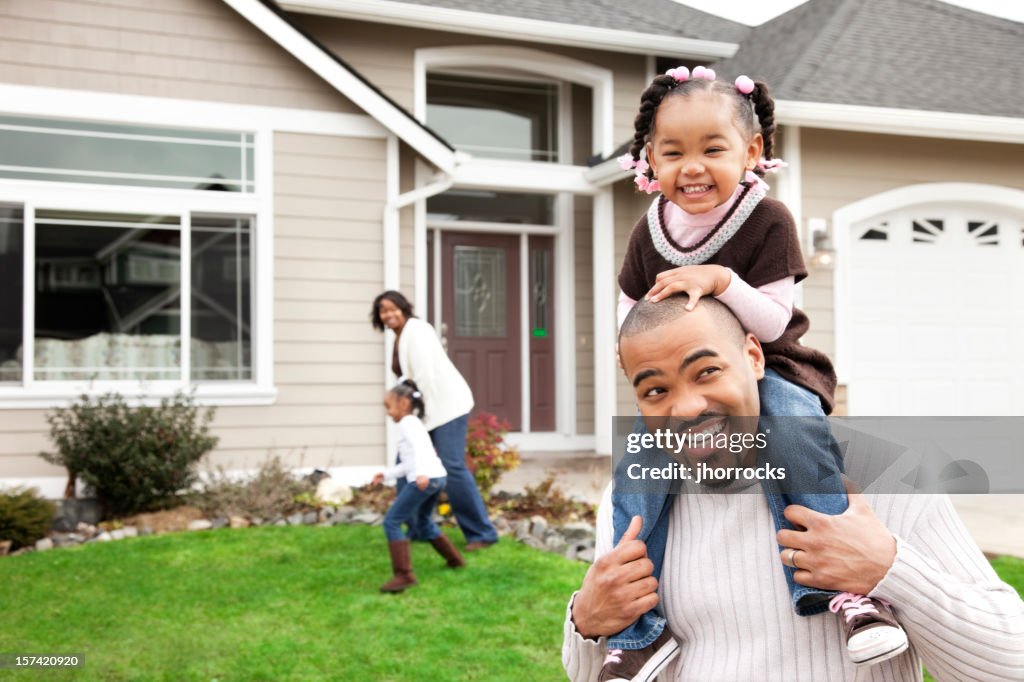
495	118
87	152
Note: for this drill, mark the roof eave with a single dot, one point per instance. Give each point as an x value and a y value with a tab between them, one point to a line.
513	28
347	83
910	122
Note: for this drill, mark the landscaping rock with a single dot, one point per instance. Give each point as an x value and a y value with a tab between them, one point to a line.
146	530
532	541
502	525
238	522
309	518
86	528
294	519
368	518
279	522
219	522
327	513
117	534
200	524
586	555
577	532
257	521
130	531
554	542
102	537
521	529
333	492
44	544
538	526
71	512
345	514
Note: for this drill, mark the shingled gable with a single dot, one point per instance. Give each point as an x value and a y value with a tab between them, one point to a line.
267	17
923	55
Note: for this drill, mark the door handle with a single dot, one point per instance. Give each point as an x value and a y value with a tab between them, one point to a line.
444	337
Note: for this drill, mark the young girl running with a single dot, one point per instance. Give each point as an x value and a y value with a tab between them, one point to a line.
704	144
424	478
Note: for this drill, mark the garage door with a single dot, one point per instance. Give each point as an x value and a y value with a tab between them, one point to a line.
934	317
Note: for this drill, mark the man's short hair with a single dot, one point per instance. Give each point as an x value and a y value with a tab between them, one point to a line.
646	316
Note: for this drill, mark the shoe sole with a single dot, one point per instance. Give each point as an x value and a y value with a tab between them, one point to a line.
655	665
883	656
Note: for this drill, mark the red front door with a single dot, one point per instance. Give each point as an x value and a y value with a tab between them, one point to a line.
480	315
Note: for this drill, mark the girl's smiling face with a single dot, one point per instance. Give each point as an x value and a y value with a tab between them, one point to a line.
697	152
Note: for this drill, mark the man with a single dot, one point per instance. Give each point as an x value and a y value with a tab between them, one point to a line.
722	589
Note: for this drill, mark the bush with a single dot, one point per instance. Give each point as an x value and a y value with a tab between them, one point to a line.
487	456
24	517
272	492
134	459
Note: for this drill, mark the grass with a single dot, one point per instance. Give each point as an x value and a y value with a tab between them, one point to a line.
285	604
295	603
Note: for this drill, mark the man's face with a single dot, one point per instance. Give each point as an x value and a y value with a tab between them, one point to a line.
699	375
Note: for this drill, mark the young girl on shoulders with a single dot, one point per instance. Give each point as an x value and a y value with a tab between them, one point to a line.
424	478
702	145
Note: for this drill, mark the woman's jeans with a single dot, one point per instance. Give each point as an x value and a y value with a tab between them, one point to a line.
450	442
415	508
804	447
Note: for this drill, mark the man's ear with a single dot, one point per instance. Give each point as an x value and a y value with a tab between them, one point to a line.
754	151
754	354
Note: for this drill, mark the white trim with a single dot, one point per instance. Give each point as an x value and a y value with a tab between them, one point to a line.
522	176
930	193
565	314
374	103
548	441
604	319
513	28
24	100
524	332
789	189
492	228
565	123
605	173
551	66
911	122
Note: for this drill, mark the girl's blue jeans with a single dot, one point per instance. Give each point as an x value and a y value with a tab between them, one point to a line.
804	447
415	508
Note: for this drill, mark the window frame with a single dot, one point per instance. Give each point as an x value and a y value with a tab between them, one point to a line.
34	194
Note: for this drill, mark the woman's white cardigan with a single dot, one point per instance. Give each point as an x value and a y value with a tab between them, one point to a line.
446	394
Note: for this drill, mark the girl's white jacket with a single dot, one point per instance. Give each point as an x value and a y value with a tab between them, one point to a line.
446	395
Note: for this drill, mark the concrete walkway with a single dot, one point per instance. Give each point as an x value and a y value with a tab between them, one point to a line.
995	521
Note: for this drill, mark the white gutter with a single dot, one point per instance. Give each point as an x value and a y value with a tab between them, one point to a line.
911	122
345	82
513	28
605	173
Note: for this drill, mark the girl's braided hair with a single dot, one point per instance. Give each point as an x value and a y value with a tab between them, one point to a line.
407	388
758	107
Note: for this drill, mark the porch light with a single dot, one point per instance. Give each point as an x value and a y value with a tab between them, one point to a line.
823	254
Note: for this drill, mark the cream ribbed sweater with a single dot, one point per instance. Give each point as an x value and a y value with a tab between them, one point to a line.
725	598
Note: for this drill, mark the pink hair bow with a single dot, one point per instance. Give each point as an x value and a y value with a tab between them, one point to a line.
771	165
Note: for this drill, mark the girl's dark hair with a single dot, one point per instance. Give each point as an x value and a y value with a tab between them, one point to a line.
407	388
756	108
400	301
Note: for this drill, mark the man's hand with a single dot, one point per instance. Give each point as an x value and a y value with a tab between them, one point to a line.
695	280
617	589
850	552
378	479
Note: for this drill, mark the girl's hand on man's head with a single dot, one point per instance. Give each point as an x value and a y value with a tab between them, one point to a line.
695	280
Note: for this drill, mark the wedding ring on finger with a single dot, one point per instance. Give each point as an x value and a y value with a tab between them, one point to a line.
791	559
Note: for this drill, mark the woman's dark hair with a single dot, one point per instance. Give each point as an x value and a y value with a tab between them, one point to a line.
407	388
758	103
400	301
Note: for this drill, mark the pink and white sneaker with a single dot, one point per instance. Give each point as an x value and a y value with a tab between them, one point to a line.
873	634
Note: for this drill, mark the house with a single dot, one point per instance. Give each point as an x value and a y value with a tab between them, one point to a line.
247	175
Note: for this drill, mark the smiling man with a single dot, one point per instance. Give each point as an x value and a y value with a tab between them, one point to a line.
722	589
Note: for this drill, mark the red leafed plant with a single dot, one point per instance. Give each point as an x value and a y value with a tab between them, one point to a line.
487	455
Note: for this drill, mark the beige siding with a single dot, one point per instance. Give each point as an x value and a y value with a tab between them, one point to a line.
384	54
190	49
583	280
839	168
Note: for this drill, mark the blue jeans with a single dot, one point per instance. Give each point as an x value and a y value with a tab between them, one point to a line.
450	442
415	508
805	448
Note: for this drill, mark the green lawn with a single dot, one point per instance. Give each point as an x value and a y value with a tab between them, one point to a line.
285	604
291	604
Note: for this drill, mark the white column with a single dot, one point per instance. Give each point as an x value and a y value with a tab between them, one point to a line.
604	319
790	189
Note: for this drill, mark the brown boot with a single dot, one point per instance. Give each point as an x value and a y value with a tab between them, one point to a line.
446	549
401	563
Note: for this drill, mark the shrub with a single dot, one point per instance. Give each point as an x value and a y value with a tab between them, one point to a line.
24	517
548	500
134	459
487	456
271	492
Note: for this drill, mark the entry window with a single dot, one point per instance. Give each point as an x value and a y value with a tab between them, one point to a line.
495	207
495	118
480	292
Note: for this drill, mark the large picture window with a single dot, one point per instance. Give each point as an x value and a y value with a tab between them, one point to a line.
111	287
495	118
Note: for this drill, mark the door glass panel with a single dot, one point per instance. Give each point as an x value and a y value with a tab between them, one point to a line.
12	254
480	291
540	285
